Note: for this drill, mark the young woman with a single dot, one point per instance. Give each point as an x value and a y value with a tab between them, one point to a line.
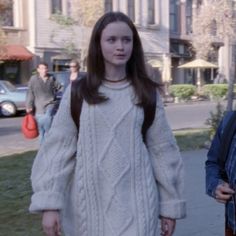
107	180
74	70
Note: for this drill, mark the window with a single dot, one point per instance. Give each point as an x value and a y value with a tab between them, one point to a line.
189	16
174	16
131	11
6	15
64	7
151	13
108	5
213	28
56	6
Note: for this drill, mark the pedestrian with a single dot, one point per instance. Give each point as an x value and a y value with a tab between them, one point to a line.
105	180
73	75
74	70
220	183
41	98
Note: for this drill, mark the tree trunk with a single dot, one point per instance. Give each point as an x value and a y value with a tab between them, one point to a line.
231	82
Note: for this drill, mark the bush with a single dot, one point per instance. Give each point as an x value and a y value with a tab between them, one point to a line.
214	120
215	91
182	91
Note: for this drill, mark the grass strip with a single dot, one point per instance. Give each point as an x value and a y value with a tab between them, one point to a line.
192	139
15	195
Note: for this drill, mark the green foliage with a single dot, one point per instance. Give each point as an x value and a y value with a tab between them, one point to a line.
182	91
62	20
191	139
215	91
214	119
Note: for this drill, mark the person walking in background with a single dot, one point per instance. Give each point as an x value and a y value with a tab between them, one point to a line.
108	177
74	70
220	183
74	74
41	98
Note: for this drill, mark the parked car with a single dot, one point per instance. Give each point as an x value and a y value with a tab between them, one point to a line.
63	77
11	98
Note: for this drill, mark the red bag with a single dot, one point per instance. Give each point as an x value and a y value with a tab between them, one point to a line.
29	126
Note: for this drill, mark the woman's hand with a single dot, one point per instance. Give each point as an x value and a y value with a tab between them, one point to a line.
223	192
51	223
167	226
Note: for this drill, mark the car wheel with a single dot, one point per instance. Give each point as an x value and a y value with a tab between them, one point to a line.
8	109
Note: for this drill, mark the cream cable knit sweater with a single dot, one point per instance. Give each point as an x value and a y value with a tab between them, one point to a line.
108	182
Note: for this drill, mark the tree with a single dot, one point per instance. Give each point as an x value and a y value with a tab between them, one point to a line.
82	17
63	34
214	21
4	5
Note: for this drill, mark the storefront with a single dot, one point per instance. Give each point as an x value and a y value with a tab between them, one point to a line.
15	63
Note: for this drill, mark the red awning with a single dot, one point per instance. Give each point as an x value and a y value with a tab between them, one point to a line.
15	53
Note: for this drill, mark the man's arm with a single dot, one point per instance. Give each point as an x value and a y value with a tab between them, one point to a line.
30	97
216	186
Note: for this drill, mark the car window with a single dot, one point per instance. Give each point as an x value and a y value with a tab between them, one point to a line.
2	90
9	86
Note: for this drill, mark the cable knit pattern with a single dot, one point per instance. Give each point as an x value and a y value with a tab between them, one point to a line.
108	182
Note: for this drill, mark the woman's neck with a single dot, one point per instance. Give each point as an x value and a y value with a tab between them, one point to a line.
73	75
115	73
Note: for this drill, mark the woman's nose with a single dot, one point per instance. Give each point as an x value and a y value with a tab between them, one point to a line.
120	45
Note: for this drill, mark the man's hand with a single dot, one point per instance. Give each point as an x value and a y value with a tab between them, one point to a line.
167	226
223	192
28	110
51	223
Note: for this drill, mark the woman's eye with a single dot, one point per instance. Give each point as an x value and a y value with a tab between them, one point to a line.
127	40
111	40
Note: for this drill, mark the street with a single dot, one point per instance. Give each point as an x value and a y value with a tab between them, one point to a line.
180	116
189	115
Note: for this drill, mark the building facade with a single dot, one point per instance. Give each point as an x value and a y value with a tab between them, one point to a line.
165	29
15	58
47	38
223	55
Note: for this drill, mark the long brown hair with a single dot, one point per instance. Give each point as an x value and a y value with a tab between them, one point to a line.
135	68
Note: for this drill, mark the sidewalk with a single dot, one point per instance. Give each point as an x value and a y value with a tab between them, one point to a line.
16	143
205	217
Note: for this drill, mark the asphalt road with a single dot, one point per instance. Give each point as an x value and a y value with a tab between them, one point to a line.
189	115
180	116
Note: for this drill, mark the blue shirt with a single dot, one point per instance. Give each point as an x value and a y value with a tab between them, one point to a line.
213	177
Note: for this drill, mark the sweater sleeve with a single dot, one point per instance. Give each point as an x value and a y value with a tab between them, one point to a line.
55	161
167	165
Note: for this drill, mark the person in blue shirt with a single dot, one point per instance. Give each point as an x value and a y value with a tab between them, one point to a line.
223	190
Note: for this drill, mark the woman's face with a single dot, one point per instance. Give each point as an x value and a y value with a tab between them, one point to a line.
74	67
116	44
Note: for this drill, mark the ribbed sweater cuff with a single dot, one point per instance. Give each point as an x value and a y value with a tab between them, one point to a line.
173	209
46	201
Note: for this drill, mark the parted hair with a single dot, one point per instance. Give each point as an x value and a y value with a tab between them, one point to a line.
135	68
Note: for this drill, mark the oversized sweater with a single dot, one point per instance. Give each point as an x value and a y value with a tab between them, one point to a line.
107	181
